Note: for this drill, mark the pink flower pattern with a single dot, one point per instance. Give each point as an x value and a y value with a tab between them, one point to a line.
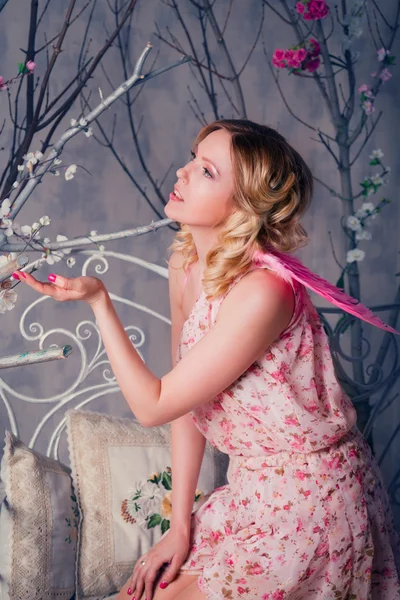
304	515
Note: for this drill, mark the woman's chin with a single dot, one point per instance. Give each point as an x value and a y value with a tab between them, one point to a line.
171	213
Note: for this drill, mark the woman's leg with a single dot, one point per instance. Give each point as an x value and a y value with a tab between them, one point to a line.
192	592
169	593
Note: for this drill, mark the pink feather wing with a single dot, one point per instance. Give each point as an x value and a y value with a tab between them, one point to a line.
287	266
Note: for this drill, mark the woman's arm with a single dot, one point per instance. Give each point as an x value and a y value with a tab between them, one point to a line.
188	442
251	317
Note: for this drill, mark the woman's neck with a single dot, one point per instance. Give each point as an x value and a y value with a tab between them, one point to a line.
205	238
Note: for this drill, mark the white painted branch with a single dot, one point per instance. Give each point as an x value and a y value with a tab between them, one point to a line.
12	265
136	78
86	240
38	356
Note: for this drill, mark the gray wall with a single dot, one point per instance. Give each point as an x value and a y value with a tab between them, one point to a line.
106	200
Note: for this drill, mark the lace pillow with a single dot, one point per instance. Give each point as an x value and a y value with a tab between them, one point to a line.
38	525
121	474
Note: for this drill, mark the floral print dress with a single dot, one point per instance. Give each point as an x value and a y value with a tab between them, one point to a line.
304	515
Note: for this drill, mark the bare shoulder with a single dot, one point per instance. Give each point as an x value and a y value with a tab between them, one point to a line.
260	295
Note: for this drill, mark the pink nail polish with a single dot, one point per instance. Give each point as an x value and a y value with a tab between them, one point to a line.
163	585
22	274
129	591
16	276
51	277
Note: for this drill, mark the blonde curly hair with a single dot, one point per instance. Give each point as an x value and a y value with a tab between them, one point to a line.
272	189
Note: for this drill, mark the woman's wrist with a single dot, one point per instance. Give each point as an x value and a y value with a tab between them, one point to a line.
181	527
100	300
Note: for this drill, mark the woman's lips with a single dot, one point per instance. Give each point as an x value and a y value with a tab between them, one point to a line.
174	197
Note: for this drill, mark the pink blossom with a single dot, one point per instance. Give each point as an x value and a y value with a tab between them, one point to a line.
289	54
300	475
322	549
300	56
312	65
279	54
316	9
381	54
294	64
385	75
279	63
368	107
30	65
278	595
291	421
317	48
215	535
2	84
363	88
255	569
300	8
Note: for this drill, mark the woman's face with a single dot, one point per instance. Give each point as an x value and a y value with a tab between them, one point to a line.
203	194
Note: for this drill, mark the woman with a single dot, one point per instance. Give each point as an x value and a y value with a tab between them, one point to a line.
304	515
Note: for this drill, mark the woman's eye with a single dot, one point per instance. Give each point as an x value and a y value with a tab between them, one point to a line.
192	155
207	172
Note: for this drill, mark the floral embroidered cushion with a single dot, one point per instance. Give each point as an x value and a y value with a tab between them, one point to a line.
122	477
38	525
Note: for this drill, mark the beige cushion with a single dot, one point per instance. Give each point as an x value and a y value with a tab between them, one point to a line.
110	457
38	526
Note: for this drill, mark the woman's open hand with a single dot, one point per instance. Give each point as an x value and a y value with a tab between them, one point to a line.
62	289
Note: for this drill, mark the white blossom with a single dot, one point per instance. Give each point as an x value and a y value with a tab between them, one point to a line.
82	122
30	160
376	154
377	179
360	213
54	257
149	500
46	240
38	155
21	168
5	207
92	233
353	223
45	221
367	206
355	255
8	299
101	247
63	238
88	132
57	161
55	173
363	235
9	227
15	184
71	261
69	173
26	230
73	122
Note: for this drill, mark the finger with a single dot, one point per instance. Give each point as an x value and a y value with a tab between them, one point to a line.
171	572
43	288
149	584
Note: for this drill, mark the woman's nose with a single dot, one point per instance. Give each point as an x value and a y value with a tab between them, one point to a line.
182	175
